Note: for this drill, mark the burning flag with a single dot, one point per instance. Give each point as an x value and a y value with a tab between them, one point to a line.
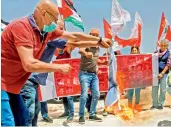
112	96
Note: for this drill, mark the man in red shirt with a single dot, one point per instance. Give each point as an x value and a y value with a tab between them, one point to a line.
23	42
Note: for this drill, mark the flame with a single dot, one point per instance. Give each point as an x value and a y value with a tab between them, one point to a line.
124	112
119	109
119	77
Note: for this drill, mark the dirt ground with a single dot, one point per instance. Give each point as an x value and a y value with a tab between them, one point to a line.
144	118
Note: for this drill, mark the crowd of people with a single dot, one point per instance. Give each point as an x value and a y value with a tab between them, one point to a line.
23	42
28	45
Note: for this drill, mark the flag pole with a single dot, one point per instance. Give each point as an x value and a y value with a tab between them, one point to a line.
61	16
58	9
119	99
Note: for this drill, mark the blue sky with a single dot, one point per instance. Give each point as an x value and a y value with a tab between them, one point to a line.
93	12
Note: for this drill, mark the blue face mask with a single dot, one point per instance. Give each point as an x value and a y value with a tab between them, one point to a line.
50	28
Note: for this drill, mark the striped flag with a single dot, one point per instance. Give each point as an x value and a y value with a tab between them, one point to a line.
69	13
164	30
162	26
3	24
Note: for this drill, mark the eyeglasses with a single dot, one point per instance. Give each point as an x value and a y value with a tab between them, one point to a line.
54	18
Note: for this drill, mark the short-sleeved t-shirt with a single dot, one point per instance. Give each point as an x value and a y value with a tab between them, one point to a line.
90	64
22	32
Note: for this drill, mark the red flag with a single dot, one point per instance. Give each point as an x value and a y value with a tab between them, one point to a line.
168	34
107	29
138	43
162	26
124	42
135	38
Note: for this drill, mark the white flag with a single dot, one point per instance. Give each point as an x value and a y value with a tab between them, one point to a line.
119	16
138	20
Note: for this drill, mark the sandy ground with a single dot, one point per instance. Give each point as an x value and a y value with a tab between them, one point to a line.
144	118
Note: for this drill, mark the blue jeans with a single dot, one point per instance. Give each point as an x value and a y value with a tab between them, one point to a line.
30	96
70	106
88	103
44	109
13	110
159	100
88	80
130	94
68	103
65	104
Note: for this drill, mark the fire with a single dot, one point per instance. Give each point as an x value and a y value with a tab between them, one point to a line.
124	112
119	109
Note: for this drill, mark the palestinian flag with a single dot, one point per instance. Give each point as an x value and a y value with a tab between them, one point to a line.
3	25
69	13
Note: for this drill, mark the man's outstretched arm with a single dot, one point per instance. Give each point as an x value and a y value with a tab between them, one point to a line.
30	64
